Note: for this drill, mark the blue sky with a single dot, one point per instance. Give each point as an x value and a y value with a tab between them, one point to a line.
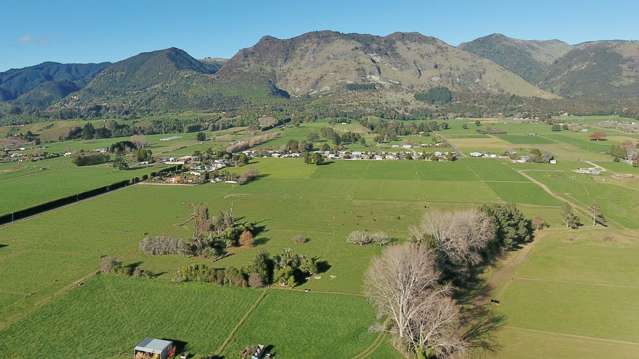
94	31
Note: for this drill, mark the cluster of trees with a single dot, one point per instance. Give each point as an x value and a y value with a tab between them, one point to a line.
363	238
268	122
249	175
313	158
413	284
491	131
404	286
436	96
477	124
164	245
236	159
298	146
113	265
556	127
112	128
513	228
568	216
538	156
340	139
626	151
212	236
90	158
27	136
360	87
251	142
122	148
572	220
390	130
459	240
143	155
285	269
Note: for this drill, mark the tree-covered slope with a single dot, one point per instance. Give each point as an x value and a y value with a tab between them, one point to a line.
598	70
47	82
529	59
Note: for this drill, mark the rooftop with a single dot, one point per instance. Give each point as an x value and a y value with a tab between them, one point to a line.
150	345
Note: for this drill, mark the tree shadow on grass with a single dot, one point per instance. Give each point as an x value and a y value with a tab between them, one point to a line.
3	245
260	241
323	266
259	228
131	266
474	295
482	323
260	176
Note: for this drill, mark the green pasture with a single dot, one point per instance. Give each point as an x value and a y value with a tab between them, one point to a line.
316	324
573	297
617	202
167	143
108	316
324	203
25	184
525	139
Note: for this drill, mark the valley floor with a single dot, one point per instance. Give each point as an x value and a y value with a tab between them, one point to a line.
570	294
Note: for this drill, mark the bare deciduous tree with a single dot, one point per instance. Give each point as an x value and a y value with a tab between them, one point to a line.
460	236
363	238
403	284
202	222
139	141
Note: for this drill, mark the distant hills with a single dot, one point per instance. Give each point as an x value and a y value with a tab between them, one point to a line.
529	59
328	62
599	69
362	70
49	79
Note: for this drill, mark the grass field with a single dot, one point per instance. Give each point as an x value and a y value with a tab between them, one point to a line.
109	315
525	139
617	202
573	297
30	183
312	317
27	184
570	295
324	203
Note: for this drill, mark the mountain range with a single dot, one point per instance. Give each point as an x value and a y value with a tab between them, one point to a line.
398	70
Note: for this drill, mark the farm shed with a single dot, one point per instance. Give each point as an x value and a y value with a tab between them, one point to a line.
150	348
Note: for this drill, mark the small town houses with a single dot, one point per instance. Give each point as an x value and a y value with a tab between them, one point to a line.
363	155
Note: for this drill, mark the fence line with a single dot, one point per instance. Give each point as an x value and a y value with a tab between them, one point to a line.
57	203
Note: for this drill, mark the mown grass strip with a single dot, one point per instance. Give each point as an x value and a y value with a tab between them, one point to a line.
237	327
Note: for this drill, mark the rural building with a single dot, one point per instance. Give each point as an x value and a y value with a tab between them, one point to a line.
589	171
150	348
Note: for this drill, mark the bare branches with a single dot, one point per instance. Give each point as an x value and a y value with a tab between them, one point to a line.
403	285
458	236
363	238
